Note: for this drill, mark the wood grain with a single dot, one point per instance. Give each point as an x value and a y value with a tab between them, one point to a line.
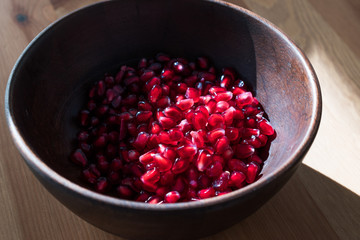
320	202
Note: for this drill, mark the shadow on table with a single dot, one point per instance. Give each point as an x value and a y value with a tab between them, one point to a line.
309	206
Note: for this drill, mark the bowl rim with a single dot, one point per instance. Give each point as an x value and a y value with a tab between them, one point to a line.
39	166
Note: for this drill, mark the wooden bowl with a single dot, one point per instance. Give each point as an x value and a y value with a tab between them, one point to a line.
48	84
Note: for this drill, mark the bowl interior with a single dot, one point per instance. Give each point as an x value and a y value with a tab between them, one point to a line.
50	82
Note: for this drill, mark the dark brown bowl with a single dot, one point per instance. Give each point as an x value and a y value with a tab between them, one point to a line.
47	86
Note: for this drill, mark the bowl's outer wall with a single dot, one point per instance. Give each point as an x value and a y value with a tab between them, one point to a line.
49	86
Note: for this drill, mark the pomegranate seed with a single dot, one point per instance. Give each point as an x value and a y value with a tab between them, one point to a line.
214	170
172	197
151	176
180	165
199	120
143	116
193	94
225	81
252	172
181	68
151	83
187	151
213	135
221	106
232	133
229	115
223	96
243	99
237	179
155	93
124	192
244	150
216	90
167	122
101	185
221	183
216	120
265	127
176	134
141	140
173	112
163	163
221	145
207	76
185	104
79	158
197	139
237	165
248	132
206	193
204	160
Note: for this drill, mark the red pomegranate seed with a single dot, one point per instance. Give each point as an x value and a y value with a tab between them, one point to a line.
244	99
173	112
141	140
180	165
237	165
207	76
192	93
79	158
179	185
225	81
116	164
167	74
204	160
221	145
237	179
185	104
172	197
244	150
187	151
221	106
155	93
143	116
124	192
232	133
254	141
197	139
263	139
215	134
216	90
206	193
221	183
252	171
223	96
162	163
199	120
147	75
214	170
248	132
216	120
265	127
147	157
152	176
176	134
101	185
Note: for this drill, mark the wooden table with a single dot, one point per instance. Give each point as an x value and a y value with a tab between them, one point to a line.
321	201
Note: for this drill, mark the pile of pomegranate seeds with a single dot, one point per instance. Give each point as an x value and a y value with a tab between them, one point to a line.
171	131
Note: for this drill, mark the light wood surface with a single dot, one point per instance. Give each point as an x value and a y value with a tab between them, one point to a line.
321	201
